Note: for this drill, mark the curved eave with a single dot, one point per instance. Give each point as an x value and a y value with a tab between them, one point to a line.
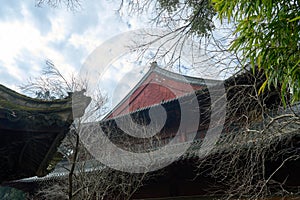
31	130
13	100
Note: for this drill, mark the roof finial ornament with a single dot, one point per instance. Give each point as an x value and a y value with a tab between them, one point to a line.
153	65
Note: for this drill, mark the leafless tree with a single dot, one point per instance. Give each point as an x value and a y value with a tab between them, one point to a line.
188	29
261	124
86	178
257	124
257	145
257	127
70	4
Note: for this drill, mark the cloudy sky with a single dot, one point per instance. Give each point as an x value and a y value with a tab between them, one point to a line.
29	35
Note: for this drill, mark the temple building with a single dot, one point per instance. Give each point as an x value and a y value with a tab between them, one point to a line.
174	92
180	97
31	130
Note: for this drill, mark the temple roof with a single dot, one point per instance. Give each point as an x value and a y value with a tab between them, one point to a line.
31	130
158	85
172	108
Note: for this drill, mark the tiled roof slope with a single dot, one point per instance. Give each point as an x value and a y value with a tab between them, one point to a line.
157	86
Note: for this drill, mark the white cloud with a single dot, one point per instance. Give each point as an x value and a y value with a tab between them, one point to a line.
15	36
60	28
29	35
87	41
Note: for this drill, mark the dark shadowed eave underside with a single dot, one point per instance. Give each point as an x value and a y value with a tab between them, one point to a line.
30	131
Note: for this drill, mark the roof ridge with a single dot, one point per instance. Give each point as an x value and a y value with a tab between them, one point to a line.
172	75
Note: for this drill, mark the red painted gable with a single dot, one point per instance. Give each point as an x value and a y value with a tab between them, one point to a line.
157	86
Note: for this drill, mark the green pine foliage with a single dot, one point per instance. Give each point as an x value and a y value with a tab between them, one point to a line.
199	14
